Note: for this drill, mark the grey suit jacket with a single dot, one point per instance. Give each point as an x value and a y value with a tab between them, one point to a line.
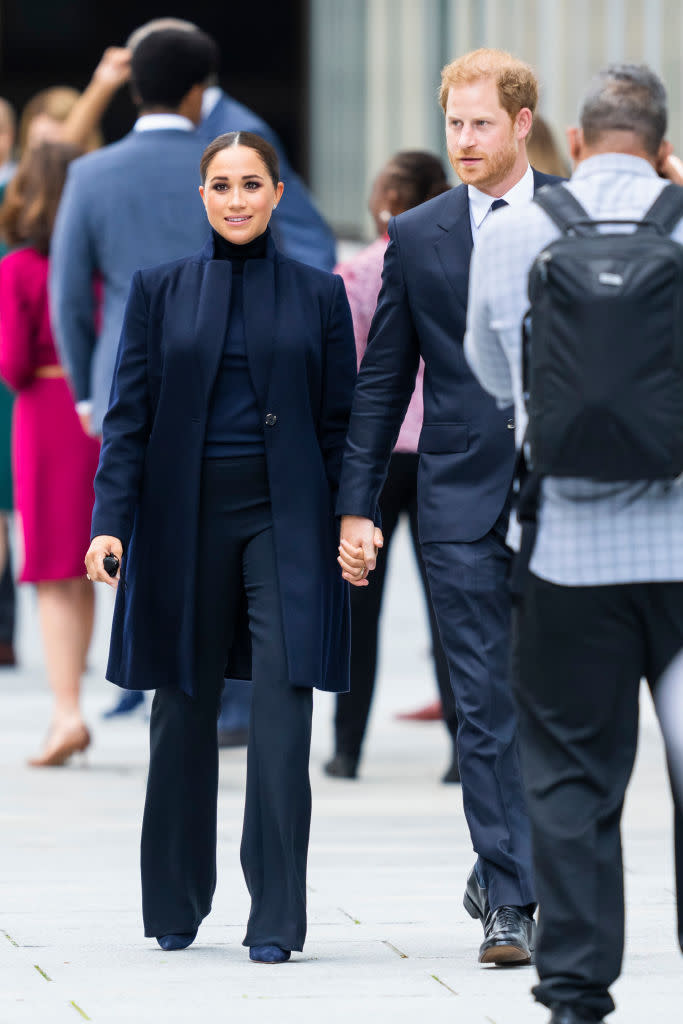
131	205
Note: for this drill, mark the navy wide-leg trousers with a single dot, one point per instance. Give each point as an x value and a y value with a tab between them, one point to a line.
179	829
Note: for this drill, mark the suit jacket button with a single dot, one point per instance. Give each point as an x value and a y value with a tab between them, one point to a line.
511	424
271	419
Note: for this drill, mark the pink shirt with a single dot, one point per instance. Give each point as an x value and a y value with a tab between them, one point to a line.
362	276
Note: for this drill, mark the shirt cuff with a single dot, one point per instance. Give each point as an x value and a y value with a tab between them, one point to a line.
84	407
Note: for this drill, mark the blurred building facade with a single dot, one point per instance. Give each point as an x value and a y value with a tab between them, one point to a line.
374	73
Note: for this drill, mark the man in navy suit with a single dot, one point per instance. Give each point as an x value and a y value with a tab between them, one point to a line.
130	205
466	468
298	227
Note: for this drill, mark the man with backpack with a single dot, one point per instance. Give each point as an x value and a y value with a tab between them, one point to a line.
594	271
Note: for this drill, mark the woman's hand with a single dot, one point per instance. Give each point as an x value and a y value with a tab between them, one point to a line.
359	543
99	548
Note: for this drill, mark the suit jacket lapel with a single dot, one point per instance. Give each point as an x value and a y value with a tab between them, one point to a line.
454	247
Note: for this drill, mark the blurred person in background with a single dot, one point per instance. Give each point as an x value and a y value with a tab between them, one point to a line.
132	204
544	150
408	179
8	131
58	113
54	461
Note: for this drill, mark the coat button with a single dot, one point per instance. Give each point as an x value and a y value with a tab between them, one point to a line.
510	424
271	419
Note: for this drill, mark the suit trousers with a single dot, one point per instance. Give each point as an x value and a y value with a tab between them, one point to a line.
469	586
580	653
179	828
399	495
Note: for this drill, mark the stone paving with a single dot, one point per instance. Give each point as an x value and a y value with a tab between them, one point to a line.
388	938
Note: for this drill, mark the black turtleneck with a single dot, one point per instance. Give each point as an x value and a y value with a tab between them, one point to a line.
239	254
234	426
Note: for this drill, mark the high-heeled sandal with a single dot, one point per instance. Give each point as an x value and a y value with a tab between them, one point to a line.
61	744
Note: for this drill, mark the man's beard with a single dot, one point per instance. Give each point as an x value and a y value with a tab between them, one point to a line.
491	169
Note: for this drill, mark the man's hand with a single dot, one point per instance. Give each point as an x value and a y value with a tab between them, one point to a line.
99	548
113	71
86	422
359	542
672	167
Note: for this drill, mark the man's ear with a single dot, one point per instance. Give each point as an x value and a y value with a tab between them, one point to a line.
523	123
575	144
663	153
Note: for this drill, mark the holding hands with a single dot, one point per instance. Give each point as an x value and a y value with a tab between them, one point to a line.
359	542
99	548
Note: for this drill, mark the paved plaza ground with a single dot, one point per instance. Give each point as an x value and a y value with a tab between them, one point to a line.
388	942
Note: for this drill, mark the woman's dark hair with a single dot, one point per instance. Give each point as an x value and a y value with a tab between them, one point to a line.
251	140
417	176
32	197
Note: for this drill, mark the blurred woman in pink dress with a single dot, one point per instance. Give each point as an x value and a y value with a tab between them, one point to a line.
409	178
53	460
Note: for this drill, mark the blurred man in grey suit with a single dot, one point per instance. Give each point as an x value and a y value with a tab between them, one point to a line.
130	205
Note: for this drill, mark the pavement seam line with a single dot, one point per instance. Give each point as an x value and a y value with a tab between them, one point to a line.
83	1014
41	971
437	978
397	951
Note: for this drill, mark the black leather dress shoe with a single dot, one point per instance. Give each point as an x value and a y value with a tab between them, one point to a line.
342	766
508	931
566	1015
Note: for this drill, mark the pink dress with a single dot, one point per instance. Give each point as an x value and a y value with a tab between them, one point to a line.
53	460
362	276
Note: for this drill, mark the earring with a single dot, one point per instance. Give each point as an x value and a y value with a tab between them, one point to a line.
384	215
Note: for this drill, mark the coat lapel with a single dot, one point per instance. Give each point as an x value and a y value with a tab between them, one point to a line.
454	247
212	319
259	318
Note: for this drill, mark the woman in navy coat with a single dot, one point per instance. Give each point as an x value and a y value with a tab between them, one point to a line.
216	490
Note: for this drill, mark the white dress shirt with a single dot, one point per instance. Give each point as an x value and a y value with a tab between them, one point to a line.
163	122
480	202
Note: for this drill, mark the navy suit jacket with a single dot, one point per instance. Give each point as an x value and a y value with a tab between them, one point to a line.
302	360
466	446
297	226
130	205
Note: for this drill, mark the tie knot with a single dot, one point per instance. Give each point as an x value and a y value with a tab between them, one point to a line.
497	203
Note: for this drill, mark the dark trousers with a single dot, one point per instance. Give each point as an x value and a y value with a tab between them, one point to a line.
580	653
179	827
399	495
471	598
7	594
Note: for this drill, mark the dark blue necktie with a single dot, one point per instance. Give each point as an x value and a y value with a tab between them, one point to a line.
497	203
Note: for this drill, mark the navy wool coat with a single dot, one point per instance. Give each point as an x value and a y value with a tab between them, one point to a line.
302	360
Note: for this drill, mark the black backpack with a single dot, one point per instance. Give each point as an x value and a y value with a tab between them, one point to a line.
603	345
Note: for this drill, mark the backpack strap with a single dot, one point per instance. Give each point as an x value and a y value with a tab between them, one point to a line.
667	209
564	209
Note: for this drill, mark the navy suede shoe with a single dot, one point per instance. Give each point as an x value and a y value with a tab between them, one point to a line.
129	701
180	941
269	955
